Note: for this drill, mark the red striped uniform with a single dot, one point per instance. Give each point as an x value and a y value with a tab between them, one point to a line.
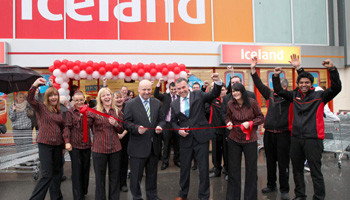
237	115
106	138
51	124
73	132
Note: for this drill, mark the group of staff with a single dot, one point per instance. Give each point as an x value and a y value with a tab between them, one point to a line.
143	119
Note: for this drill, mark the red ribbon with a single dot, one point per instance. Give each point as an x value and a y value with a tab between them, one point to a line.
86	109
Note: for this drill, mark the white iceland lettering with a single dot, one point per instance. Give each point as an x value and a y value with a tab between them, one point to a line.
200	5
262	55
71	7
135	6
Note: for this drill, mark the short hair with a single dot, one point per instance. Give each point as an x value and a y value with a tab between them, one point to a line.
124	86
172	84
179	80
196	83
237	77
305	75
284	82
79	92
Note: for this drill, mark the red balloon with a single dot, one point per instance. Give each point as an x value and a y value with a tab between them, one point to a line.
65	61
159	68
57	63
115	64
76	69
187	71
89	70
140	65
170	67
52	78
175	64
51	68
163	65
165	71
121	67
109	67
128	72
141	72
95	66
102	71
83	65
115	71
57	86
134	68
128	65
70	65
64	68
152	65
147	68
153	72
77	62
102	64
90	62
182	67
177	70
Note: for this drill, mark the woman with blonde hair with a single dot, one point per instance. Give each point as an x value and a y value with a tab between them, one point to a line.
21	123
106	145
49	139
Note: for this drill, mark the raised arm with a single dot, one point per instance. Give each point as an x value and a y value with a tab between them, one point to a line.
263	89
215	92
288	95
31	93
157	94
336	87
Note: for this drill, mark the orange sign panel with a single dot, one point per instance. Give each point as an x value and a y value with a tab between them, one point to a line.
241	54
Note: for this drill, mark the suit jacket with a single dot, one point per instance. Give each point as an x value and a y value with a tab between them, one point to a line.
140	145
165	99
196	117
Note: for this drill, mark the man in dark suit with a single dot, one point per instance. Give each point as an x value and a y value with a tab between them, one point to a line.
144	147
188	112
168	135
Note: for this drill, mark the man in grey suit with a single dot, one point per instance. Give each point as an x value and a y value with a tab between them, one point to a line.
144	147
188	112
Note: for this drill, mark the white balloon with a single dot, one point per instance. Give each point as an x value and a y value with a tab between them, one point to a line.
128	78
159	75
57	72
147	76
171	80
76	77
183	74
59	80
64	85
89	77
70	73
95	75
109	75
171	75
61	91
121	75
66	92
82	74
134	76
177	76
115	78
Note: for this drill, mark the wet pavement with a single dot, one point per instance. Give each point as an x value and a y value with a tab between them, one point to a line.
15	186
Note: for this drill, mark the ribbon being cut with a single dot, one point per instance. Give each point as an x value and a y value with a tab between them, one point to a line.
86	109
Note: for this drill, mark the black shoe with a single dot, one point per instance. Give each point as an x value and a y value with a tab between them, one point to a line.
214	174
212	170
268	190
124	188
224	171
299	198
164	166
177	164
284	196
63	178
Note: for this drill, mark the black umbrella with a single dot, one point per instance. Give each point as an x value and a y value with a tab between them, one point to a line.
15	78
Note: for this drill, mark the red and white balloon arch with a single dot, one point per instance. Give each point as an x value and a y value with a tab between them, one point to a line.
65	70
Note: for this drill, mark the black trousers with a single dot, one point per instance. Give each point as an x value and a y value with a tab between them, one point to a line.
235	151
51	168
310	150
80	163
219	152
137	167
200	152
124	161
168	136
100	161
277	147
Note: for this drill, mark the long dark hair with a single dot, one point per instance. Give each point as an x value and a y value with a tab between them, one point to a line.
239	87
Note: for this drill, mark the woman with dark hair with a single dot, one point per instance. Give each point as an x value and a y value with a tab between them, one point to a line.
49	139
244	112
131	94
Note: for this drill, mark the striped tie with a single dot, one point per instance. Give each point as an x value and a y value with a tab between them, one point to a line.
187	107
148	111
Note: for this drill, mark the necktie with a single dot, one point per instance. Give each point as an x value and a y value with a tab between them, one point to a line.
187	107
148	111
